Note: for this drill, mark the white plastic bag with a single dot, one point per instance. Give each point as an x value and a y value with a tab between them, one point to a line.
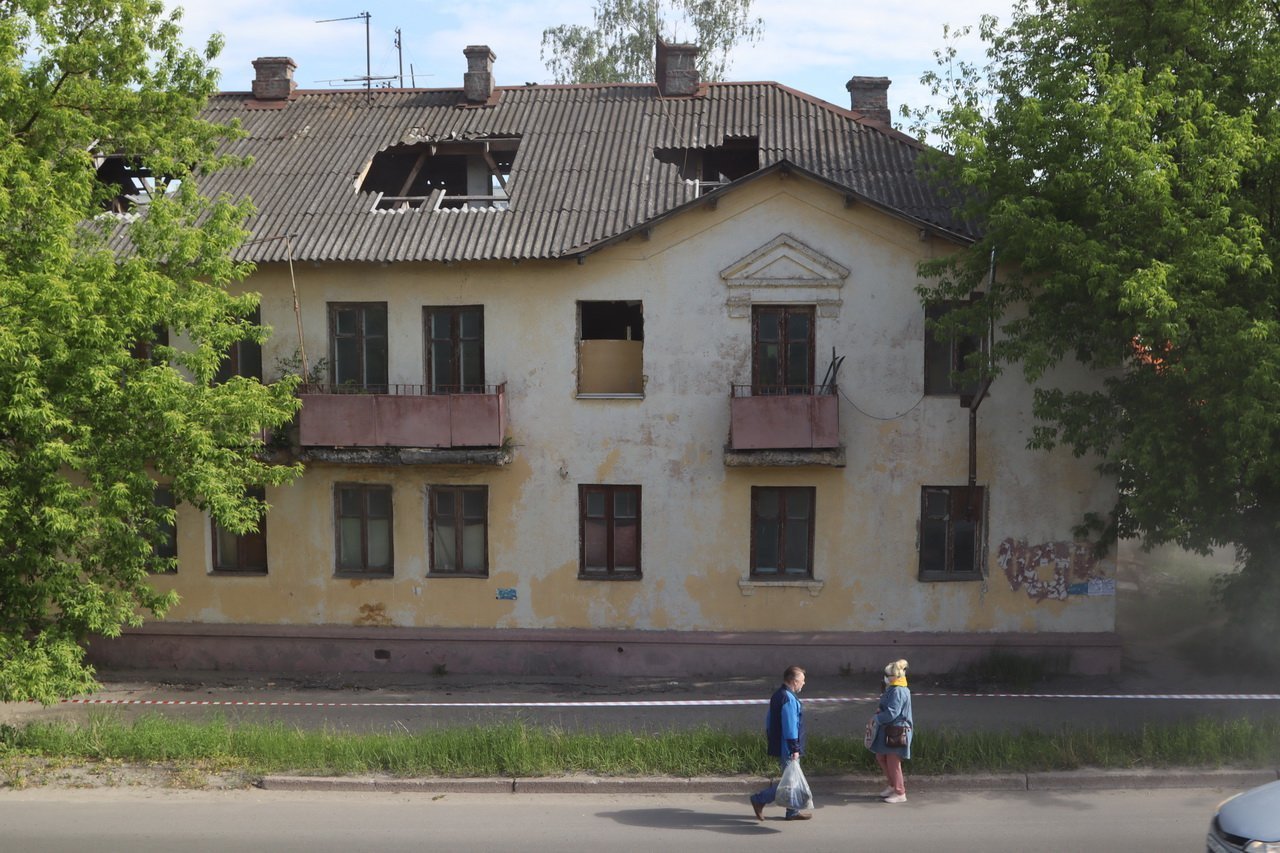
793	788
869	736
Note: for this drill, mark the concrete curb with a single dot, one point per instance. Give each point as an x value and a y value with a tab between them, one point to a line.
1074	780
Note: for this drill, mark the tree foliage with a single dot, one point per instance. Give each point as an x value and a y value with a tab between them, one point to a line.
1122	159
618	46
95	408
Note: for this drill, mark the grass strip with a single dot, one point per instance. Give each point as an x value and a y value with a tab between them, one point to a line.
520	750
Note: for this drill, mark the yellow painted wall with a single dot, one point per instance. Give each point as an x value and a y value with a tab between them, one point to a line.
696	512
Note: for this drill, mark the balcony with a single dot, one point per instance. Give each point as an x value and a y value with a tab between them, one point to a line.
424	425
784	426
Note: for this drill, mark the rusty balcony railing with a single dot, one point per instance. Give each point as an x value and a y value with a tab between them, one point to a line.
402	416
784	417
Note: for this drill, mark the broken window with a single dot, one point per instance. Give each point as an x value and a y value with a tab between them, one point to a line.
462	175
782	532
947	355
133	183
782	349
610	348
242	553
952	528
363	528
455	349
715	165
609	520
358	346
459	524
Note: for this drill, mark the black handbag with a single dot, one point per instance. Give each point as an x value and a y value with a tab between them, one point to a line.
896	736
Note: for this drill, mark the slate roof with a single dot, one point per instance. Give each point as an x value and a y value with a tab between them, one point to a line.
585	171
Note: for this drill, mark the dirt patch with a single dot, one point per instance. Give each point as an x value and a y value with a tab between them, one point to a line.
20	772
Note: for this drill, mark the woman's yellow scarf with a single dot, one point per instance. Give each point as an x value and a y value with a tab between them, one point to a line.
900	681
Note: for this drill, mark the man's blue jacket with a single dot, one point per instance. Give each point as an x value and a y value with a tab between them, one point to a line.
784	724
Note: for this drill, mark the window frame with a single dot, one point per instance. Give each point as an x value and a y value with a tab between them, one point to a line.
233	363
364	570
957	350
780	572
363	339
760	387
260	535
611	571
956	496
163	497
458	492
455	383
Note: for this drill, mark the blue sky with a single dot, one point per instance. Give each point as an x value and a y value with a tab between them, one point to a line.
814	46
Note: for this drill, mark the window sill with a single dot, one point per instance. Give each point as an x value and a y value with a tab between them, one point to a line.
466	575
349	575
949	577
600	395
749	587
609	577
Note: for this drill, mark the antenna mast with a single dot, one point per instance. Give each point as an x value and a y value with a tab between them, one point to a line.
368	72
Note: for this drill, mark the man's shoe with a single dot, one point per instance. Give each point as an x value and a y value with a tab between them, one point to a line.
803	815
759	809
896	798
887	792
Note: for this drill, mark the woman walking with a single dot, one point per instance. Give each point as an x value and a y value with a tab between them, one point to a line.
893	724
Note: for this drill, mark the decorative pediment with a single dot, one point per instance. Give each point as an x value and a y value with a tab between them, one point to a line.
784	270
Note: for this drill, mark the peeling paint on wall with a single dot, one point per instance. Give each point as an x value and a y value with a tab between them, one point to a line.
1070	562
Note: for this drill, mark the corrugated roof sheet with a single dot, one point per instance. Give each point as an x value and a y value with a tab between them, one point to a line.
584	171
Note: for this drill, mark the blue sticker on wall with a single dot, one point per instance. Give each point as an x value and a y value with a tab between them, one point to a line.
506	593
1078	589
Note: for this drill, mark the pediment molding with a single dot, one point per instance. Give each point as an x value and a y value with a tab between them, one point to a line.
785	270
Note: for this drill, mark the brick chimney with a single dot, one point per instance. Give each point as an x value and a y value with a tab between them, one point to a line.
870	96
273	78
477	83
676	68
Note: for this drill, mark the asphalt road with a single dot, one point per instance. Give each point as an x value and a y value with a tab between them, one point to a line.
143	821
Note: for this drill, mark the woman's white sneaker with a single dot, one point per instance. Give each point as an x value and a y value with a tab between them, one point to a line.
896	798
887	792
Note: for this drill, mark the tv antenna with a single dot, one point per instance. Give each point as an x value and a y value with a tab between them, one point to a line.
368	77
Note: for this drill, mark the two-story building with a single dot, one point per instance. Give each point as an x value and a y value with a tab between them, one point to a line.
620	379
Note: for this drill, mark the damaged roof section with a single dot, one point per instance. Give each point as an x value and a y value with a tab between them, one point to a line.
487	172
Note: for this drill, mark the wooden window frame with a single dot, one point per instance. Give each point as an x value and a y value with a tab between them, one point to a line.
781	572
363	338
233	364
241	567
611	572
957	349
457	492
758	384
364	570
973	501
454	385
162	496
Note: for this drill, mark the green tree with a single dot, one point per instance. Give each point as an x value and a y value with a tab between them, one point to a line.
96	408
1122	159
618	47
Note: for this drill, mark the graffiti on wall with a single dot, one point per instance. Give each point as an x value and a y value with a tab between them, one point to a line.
1053	569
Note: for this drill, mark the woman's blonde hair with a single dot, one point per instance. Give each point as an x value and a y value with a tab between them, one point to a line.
897	669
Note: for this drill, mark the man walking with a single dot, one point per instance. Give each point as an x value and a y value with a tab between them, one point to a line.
784	731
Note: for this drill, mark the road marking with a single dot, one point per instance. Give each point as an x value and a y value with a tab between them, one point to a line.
673	703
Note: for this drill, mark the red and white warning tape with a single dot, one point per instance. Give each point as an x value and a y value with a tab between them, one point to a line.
669	703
